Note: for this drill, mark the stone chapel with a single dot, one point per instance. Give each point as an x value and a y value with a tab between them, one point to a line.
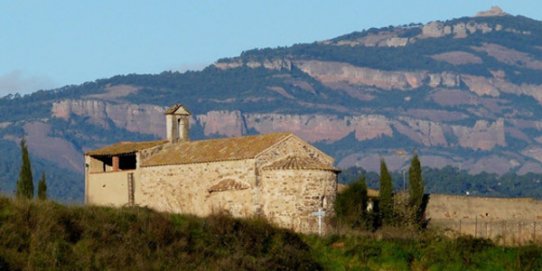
277	175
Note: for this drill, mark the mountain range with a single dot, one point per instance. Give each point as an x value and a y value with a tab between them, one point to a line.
464	92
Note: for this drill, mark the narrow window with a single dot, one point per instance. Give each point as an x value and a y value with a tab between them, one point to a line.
323	203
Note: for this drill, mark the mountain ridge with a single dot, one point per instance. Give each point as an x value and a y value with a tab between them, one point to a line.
464	92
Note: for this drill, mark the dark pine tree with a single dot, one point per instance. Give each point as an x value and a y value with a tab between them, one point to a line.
25	184
415	188
386	195
42	188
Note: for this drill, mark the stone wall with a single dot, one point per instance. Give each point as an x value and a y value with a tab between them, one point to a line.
286	197
289	197
508	220
108	188
185	188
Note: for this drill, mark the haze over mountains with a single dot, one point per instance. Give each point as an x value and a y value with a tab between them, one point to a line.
465	92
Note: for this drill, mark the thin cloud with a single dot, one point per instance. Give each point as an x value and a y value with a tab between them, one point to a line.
18	82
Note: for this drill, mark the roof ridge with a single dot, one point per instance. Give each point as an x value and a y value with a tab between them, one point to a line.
299	162
215	149
188	142
242	137
125	147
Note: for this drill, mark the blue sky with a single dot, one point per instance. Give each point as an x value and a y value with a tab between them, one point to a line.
48	44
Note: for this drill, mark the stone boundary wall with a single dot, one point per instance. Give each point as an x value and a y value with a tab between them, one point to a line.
505	220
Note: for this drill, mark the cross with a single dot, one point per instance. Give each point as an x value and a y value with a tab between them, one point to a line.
320	214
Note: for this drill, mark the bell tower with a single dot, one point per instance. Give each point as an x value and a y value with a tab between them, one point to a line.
177	123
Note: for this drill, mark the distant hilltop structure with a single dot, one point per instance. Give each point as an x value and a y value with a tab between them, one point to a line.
277	175
493	11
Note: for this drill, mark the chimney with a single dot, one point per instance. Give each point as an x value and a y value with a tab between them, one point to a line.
177	123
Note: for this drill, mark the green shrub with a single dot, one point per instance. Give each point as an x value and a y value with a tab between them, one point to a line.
351	207
46	235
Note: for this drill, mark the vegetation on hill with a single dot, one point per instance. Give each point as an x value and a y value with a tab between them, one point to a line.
42	187
450	180
511	54
25	183
402	250
386	195
416	189
403	244
43	235
354	209
351	207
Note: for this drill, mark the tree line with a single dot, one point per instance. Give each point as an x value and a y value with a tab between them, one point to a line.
354	208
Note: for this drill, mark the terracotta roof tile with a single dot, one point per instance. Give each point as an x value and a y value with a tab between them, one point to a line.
295	162
124	148
214	150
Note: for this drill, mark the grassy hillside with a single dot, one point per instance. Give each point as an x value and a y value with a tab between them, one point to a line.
49	236
407	251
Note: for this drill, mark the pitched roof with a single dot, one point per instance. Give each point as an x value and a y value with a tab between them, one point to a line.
214	150
297	163
178	109
125	148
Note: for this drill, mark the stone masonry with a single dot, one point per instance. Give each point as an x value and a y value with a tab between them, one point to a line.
277	176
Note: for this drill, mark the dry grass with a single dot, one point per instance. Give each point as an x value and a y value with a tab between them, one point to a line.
46	235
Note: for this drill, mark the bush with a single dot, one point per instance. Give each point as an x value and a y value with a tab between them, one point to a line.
351	207
46	235
425	251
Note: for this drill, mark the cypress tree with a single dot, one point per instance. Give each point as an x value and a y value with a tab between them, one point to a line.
42	188
415	188
386	194
25	184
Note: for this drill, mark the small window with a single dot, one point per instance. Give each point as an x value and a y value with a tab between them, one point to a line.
127	162
323	202
105	163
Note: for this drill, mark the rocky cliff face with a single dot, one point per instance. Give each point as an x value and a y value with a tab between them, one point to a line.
465	92
449	113
315	128
330	73
147	119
